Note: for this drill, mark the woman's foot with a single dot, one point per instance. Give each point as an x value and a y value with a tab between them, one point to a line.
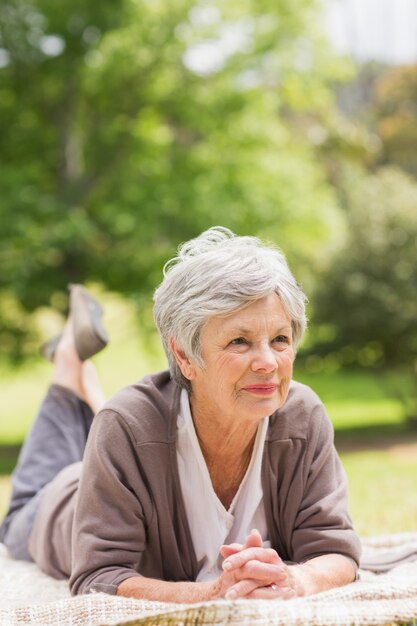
78	376
93	392
67	364
89	334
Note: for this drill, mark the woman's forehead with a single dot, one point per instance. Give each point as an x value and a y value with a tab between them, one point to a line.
267	311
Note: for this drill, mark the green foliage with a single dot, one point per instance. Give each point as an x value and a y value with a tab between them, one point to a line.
368	292
395	110
117	147
363	302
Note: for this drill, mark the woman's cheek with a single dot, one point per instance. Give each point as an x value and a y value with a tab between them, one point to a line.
287	360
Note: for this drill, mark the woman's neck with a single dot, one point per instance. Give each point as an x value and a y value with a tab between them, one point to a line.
227	450
221	437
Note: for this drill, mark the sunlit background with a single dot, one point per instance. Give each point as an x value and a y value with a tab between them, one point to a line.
380	30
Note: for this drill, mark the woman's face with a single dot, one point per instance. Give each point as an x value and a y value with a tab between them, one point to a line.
248	357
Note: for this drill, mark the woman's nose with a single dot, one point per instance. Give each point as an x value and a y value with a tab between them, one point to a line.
264	359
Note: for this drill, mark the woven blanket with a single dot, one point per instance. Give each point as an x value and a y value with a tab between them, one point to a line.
27	596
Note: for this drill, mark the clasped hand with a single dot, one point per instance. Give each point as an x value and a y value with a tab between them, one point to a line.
252	571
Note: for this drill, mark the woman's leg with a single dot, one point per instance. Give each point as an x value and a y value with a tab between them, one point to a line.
57	439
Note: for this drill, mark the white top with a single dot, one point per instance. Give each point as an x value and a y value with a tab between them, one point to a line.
211	525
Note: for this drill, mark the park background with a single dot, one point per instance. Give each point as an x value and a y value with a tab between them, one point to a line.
127	128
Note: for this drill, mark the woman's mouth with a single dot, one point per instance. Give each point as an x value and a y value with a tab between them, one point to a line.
261	390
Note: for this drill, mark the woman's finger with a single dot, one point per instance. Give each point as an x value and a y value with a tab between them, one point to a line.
231	548
273	592
253	540
241	589
265	573
250	588
265	555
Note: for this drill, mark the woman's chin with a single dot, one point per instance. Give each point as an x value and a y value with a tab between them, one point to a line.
260	407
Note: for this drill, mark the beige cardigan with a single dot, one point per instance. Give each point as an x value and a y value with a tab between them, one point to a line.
125	516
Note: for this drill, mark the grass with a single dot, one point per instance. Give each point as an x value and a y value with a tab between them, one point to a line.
383	489
369	422
355	398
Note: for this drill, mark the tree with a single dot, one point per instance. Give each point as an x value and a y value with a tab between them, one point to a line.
367	296
395	110
118	144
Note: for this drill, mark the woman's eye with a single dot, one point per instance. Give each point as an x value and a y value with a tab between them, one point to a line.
281	339
239	341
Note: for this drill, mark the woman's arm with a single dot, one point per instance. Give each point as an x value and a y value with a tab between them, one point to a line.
163	591
262	575
255	569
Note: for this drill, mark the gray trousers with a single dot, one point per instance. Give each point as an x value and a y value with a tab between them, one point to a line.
56	439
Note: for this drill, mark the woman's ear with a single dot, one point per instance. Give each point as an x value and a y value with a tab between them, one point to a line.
184	363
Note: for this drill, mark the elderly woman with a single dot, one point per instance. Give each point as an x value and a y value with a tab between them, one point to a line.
215	479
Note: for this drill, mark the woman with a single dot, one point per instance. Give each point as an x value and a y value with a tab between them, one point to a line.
217	479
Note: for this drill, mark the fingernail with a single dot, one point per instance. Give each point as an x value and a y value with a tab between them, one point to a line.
231	595
227	566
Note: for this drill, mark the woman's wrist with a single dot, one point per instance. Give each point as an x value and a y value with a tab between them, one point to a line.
321	573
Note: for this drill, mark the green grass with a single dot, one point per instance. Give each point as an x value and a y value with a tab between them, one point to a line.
383	489
369	421
355	398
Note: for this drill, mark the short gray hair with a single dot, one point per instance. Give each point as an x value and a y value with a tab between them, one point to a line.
218	273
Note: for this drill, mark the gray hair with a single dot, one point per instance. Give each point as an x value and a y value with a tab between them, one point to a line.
218	273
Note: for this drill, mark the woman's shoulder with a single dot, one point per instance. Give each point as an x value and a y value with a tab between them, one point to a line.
302	395
302	411
148	407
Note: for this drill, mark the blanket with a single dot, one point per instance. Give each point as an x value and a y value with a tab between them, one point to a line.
28	596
